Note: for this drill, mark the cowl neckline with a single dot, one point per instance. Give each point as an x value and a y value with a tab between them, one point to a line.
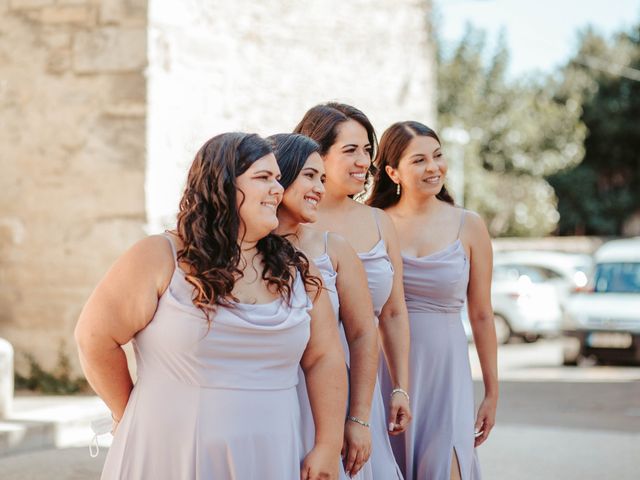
452	248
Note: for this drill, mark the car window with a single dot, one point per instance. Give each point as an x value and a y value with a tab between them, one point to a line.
617	278
513	272
504	273
550	274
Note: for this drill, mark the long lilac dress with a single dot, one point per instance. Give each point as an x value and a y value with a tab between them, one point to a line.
379	270
441	388
329	278
214	403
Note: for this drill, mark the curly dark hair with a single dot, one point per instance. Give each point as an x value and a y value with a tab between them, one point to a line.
209	225
393	143
321	124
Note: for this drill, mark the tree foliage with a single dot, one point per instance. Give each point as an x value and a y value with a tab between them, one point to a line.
603	192
520	132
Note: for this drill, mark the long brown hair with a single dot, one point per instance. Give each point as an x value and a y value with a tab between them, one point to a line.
393	143
321	124
209	224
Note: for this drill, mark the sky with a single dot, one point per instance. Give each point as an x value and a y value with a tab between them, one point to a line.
540	34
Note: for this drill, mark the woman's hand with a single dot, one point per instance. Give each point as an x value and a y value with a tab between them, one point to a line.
399	413
321	463
356	448
485	420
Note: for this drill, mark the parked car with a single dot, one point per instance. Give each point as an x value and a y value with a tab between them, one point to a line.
603	322
528	291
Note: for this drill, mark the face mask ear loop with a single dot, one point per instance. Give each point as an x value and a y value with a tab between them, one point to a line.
94	443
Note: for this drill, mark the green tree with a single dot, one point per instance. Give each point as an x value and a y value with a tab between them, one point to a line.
520	132
599	195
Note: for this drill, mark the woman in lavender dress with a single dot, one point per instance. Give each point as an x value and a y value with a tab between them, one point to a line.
447	259
347	141
220	316
303	180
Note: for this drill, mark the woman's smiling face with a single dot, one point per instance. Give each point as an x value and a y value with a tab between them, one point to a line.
258	196
300	200
348	159
422	167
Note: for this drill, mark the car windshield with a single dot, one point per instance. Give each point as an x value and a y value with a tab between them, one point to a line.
513	272
617	278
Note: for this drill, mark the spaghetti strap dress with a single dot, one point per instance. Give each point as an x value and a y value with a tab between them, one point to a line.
329	278
382	464
442	401
218	401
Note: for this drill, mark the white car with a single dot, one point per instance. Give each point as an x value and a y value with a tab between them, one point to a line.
603	322
528	291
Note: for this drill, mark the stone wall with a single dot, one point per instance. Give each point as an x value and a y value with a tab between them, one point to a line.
72	130
217	65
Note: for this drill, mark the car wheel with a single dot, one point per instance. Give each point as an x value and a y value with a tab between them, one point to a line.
570	359
503	330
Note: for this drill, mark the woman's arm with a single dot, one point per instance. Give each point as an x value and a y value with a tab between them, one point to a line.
325	372
122	304
394	331
475	234
356	314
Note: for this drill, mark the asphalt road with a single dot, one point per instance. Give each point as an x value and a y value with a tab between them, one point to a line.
553	422
557	422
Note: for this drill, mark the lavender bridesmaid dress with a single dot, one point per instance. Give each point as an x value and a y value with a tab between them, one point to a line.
214	403
329	277
381	465
442	402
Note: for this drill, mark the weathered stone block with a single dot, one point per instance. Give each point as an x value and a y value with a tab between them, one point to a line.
70	14
123	12
53	38
59	62
129	87
110	49
24	4
126	109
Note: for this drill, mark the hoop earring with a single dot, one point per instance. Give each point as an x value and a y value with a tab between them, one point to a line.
397	189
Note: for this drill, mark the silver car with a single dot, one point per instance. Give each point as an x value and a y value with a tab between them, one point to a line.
529	289
603	322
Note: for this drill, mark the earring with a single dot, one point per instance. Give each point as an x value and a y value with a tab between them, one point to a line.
397	189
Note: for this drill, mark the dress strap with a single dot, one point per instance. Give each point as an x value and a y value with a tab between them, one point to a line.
326	242
375	217
167	235
461	222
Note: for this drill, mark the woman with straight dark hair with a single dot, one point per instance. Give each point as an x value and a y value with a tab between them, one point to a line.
347	142
447	257
303	179
220	315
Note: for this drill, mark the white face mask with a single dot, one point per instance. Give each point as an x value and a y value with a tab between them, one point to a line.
101	426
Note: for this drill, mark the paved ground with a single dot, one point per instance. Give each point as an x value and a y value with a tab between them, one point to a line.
557	422
554	422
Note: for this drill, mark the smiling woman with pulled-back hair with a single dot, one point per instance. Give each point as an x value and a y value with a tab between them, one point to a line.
303	180
221	313
347	144
447	259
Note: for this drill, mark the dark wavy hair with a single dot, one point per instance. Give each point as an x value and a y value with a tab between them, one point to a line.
393	143
292	151
322	121
209	225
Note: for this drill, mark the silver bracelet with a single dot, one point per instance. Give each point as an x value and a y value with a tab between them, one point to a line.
358	421
400	390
